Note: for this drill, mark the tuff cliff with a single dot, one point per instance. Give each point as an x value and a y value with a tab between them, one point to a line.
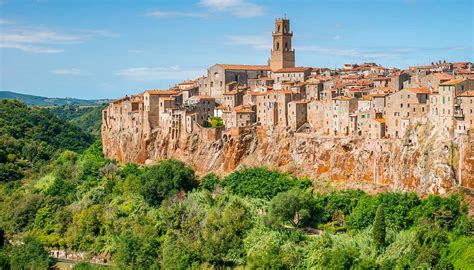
425	161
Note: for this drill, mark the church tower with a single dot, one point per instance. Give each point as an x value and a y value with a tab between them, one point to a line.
282	55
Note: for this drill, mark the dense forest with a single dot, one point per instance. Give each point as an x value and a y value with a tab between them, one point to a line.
165	217
32	136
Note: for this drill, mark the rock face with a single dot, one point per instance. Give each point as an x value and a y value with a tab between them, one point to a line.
425	161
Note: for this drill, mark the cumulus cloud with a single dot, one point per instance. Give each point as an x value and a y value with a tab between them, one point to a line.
44	40
160	73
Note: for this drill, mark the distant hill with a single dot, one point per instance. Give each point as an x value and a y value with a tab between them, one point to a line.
45	101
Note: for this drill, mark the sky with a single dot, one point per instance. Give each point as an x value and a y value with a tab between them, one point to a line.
109	48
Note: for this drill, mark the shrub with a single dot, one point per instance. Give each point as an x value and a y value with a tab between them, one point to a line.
260	182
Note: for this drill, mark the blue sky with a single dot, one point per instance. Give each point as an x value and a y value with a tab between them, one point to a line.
109	48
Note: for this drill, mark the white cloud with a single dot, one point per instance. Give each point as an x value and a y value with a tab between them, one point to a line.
161	14
239	8
259	42
160	73
70	71
43	40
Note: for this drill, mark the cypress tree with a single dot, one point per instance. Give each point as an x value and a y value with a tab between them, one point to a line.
379	230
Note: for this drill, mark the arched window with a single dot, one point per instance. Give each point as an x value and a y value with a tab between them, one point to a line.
278	28
278	46
286	46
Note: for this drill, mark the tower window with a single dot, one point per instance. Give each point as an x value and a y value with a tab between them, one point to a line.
278	28
286	46
278	46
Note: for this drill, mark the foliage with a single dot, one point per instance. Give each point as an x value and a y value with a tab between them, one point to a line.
29	137
216	121
260	182
294	206
88	118
210	181
28	255
379	230
165	178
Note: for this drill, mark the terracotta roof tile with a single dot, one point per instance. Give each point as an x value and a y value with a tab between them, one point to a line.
453	82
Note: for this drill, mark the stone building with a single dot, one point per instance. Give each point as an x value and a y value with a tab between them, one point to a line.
320	116
221	74
342	107
404	108
240	116
464	112
444	107
291	74
297	114
153	100
204	107
232	99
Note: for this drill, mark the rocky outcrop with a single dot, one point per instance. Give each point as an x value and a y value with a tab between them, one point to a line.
425	161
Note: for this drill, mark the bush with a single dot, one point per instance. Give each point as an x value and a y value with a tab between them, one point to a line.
29	255
294	206
210	181
260	182
165	179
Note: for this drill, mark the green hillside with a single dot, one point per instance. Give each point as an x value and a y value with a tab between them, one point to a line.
30	136
45	101
87	118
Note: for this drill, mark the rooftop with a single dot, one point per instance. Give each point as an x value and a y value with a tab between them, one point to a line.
292	69
244	67
453	82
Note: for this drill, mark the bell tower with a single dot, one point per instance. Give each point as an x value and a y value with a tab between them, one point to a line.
282	55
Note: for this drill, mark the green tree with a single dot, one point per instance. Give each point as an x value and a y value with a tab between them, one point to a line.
379	229
294	206
260	182
29	255
216	121
210	181
166	178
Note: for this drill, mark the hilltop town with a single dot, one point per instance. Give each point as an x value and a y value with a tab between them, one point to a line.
358	101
